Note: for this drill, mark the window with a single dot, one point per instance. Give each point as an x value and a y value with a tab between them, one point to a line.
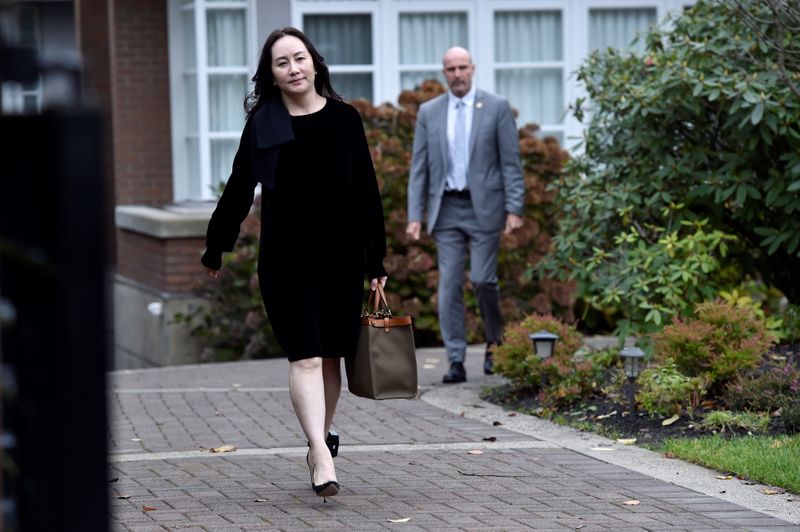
209	57
529	66
617	28
345	41
423	39
24	30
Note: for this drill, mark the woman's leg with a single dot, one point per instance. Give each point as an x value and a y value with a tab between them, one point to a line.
307	391
332	376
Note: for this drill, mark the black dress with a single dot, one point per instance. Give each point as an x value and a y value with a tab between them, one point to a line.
321	230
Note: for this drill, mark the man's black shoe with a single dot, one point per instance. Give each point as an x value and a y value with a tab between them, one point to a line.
457	373
488	364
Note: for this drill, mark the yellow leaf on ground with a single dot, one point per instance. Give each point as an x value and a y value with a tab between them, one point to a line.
626	441
632	502
148	508
475	451
670	420
606	416
773	491
724	477
401	520
776	444
223	449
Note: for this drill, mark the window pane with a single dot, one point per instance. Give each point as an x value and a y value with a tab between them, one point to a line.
189	44
30	104
225	101
341	39
222	153
190	91
227	42
538	94
412	80
616	28
528	36
193	166
425	37
350	86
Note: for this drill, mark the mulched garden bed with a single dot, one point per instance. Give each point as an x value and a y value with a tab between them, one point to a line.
609	415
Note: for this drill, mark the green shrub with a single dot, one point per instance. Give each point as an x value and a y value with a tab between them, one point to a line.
718	344
561	379
665	391
790	415
723	420
766	392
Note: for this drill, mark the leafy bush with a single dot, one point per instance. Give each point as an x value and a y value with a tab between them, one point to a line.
561	379
719	343
723	420
690	173
665	391
790	415
766	392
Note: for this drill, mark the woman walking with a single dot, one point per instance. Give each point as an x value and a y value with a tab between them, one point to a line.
321	227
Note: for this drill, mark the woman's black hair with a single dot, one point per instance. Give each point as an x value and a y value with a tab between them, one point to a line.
265	88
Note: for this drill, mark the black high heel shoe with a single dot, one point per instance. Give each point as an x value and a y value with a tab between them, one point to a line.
326	489
332	442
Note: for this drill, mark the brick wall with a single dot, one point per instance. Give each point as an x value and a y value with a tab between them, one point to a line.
140	102
168	265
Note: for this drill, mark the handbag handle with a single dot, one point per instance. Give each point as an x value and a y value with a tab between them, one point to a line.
380	295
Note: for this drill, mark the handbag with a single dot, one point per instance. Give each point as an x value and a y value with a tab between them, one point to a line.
385	363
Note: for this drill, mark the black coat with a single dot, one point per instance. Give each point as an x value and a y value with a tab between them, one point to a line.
322	227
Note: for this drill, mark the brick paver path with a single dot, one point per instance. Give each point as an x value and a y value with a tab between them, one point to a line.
399	459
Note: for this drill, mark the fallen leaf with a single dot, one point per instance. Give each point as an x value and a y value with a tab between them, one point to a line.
776	413
259	500
475	451
626	441
496	424
669	455
401	520
461	414
490	438
723	491
670	420
512	414
632	502
223	449
579	527
725	477
601	449
606	416
776	444
148	508
124	497
773	491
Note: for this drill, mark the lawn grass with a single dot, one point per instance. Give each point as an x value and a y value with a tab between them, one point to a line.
772	460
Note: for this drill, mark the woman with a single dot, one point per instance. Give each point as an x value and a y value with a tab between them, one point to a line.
321	227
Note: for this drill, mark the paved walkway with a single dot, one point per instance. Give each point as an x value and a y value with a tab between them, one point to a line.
401	459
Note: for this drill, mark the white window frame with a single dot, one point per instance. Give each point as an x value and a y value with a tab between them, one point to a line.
300	9
13	93
179	121
567	48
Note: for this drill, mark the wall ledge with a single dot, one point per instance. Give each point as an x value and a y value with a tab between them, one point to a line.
171	221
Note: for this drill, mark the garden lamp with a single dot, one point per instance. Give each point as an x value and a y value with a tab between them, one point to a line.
544	343
632	361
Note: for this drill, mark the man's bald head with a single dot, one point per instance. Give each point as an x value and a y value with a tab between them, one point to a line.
458	70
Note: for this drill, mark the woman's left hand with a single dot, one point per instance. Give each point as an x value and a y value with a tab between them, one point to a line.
374	283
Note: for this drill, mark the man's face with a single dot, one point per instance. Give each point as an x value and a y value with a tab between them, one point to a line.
458	70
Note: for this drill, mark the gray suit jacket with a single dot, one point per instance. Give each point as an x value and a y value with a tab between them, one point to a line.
494	174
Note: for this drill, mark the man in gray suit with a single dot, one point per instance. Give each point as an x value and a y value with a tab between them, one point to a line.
466	173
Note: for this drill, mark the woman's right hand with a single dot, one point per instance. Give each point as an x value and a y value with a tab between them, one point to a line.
214	274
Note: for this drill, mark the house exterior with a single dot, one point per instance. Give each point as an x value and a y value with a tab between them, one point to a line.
171	76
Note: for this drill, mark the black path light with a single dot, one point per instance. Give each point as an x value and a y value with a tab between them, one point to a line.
632	358
544	345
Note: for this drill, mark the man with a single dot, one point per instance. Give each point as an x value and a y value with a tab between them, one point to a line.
466	173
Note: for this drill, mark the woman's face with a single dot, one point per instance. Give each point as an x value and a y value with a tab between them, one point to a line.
292	66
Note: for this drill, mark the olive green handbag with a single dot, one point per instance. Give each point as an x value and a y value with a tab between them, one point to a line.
385	363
